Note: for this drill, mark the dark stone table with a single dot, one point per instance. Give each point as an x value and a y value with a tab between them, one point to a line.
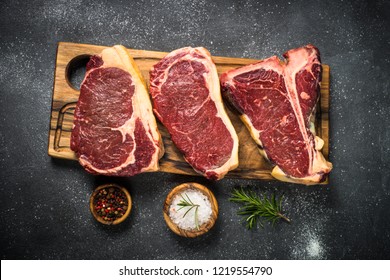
44	201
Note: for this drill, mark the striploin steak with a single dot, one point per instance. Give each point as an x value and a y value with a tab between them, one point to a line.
187	100
114	131
276	100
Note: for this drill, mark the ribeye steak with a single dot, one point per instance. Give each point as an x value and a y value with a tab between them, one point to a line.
114	131
276	100
187	100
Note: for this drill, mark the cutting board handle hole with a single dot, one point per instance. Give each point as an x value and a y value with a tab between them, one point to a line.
75	70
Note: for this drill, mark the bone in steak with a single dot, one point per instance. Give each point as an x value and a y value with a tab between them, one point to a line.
187	100
276	100
114	131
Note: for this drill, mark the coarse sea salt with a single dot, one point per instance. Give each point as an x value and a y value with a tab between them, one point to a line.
185	221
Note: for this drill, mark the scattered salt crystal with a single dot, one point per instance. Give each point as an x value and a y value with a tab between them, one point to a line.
314	248
187	222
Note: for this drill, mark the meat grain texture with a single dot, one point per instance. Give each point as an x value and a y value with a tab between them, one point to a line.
276	101
187	100
114	131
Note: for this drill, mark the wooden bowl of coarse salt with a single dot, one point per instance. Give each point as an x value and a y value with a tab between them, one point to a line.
190	210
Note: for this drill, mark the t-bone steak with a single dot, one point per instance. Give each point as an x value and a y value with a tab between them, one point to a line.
276	100
187	100
114	131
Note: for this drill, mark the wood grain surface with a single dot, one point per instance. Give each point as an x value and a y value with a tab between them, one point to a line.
252	164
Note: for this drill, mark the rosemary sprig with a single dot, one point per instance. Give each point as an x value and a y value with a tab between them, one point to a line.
255	207
188	203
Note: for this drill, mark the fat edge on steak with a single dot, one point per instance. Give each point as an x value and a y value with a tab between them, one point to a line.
118	57
319	167
159	76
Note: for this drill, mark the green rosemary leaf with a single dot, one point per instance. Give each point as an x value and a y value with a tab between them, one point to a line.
189	209
189	199
255	207
188	203
196	217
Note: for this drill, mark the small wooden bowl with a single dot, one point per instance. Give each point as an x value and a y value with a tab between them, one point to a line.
98	217
205	227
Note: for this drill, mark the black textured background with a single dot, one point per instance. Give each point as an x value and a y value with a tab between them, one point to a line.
44	202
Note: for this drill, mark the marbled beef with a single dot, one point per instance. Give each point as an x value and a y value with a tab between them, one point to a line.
114	131
276	100
187	100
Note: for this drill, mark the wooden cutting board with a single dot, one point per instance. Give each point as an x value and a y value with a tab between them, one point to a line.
252	164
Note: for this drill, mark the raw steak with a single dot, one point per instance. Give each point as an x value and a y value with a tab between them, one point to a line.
276	100
114	131
186	98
